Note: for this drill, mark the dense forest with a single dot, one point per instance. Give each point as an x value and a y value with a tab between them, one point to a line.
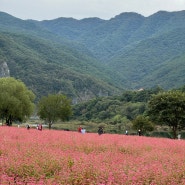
93	58
115	109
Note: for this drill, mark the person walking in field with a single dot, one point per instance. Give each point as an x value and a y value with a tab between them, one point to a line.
40	127
139	132
179	136
83	131
28	126
126	132
100	130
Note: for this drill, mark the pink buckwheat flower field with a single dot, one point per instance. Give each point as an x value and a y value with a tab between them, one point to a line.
49	157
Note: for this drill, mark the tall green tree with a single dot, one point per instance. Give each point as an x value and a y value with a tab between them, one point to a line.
168	108
16	100
54	107
143	123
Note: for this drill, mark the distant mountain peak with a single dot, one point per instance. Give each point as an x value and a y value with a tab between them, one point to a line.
128	15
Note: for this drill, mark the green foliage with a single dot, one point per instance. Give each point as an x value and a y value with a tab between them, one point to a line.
142	123
91	58
143	66
142	95
54	107
161	134
16	101
115	109
47	67
143	52
168	108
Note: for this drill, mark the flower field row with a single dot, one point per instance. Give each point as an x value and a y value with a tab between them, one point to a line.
69	158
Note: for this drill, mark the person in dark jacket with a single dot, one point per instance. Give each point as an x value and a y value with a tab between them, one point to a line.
100	130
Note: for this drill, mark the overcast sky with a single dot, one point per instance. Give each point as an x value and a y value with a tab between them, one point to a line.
104	9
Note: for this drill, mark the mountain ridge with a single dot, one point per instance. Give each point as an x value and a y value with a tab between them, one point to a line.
128	51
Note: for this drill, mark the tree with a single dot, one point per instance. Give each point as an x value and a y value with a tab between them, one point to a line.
54	107
168	108
142	123
16	101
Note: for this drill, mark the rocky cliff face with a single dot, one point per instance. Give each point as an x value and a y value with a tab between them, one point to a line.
4	70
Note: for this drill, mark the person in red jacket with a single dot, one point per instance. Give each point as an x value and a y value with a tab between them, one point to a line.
80	129
40	127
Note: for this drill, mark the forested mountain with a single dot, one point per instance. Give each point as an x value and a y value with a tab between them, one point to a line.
94	57
49	68
49	65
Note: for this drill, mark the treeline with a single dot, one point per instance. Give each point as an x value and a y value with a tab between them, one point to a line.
116	109
140	110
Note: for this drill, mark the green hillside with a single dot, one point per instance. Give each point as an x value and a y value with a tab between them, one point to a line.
94	57
47	67
170	74
145	63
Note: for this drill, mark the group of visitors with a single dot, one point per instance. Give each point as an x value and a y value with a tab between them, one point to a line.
139	133
81	130
39	127
101	131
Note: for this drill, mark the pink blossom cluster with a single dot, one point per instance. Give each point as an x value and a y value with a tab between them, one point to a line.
69	158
